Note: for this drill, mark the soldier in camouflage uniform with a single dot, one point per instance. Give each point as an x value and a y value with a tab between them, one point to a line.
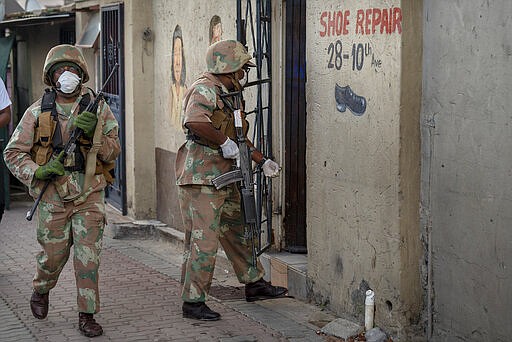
211	216
70	213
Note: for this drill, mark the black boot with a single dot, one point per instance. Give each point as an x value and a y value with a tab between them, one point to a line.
262	289
199	311
39	304
88	325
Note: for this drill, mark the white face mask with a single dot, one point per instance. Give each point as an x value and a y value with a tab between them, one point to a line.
68	82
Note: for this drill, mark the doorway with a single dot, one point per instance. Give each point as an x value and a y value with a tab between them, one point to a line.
112	21
295	127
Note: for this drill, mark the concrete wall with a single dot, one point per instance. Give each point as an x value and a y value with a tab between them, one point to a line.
363	166
467	161
139	98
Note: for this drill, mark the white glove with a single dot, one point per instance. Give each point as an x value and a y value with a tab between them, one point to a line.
230	149
271	168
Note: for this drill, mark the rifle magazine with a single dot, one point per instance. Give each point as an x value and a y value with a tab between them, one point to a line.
227	178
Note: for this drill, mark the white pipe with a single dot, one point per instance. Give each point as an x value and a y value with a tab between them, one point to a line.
369	309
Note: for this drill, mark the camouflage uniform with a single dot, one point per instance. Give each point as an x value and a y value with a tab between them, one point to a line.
67	214
210	216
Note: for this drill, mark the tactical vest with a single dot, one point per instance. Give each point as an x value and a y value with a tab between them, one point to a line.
48	136
223	120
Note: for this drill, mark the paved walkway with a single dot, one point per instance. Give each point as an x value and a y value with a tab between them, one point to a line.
140	294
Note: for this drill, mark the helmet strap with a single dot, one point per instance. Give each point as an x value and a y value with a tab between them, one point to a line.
236	82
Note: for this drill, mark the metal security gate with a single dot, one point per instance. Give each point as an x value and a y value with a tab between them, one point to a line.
253	23
112	52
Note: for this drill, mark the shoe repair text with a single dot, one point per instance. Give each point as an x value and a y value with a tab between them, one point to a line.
367	22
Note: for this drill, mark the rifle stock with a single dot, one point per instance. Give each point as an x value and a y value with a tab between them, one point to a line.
71	144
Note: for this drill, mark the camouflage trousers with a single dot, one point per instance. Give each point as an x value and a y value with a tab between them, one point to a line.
80	226
211	216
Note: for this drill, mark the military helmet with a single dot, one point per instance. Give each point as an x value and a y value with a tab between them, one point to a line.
227	56
64	53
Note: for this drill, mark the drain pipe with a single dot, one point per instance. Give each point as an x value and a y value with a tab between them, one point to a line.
369	309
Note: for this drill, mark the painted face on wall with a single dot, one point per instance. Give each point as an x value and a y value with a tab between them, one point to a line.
176	59
215	30
216	33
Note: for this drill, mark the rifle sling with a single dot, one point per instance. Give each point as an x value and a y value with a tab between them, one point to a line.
90	164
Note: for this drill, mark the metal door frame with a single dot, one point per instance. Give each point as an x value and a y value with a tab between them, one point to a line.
295	127
258	26
112	50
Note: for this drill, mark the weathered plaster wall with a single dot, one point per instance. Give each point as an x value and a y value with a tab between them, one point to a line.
412	251
139	140
358	166
467	174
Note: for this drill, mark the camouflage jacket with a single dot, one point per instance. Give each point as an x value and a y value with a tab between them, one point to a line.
66	188
195	163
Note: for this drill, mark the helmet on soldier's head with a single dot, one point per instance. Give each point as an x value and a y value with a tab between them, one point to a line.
63	54
227	56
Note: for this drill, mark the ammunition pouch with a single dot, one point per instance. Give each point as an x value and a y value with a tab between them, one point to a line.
48	137
42	148
223	120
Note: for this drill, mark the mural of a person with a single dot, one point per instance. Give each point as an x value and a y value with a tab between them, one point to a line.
215	29
178	76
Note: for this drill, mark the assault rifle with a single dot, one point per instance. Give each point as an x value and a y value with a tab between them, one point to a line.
71	144
242	174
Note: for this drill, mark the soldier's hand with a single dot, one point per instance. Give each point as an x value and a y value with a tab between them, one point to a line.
270	168
51	169
230	149
87	122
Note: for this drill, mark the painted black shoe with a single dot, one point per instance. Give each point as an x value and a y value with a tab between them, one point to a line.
39	304
261	289
199	311
345	97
